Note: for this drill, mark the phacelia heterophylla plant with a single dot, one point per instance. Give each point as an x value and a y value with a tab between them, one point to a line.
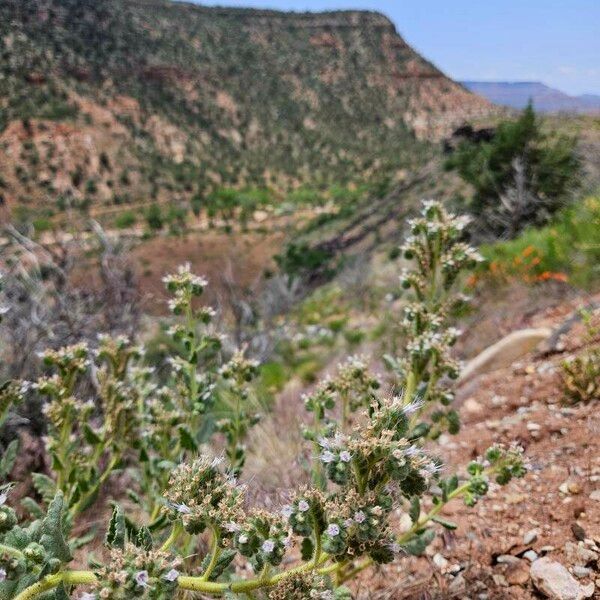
372	469
426	370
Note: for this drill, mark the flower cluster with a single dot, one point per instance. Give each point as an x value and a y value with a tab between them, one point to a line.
357	525
438	256
263	537
352	388
68	361
134	572
11	395
184	285
201	496
301	586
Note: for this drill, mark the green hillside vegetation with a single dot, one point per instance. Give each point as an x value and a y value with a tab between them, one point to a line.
177	99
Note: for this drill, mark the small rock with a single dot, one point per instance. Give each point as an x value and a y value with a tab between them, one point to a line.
552	579
580	571
498	400
517	573
530	537
439	561
457	585
578	531
595	495
507	559
569	487
533	426
530	555
472	406
588	590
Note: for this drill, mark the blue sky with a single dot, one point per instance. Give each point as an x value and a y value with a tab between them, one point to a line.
554	41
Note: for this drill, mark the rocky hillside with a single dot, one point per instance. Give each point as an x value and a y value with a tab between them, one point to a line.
119	101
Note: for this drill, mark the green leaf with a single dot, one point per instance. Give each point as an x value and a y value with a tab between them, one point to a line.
144	539
116	534
7	461
224	560
91	437
447	524
186	440
158	523
307	549
52	530
44	486
82	540
32	507
415	509
417	545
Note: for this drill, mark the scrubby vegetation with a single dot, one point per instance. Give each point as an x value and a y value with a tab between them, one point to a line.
581	374
247	99
520	177
148	429
566	249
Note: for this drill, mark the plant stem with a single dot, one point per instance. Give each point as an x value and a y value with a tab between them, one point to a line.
51	581
175	532
215	551
409	390
184	582
80	504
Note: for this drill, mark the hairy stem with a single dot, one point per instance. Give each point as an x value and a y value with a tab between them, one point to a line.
215	551
51	581
175	533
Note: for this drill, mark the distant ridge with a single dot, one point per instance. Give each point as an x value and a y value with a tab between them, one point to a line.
118	101
516	94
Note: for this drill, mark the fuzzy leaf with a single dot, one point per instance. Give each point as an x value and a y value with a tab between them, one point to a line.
158	524
7	461
116	534
224	560
447	524
144	539
52	530
60	593
134	497
82	540
415	509
186	440
44	486
32	507
417	545
91	437
307	549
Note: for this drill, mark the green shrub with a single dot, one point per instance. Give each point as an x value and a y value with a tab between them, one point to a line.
154	217
520	178
42	224
581	377
125	220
